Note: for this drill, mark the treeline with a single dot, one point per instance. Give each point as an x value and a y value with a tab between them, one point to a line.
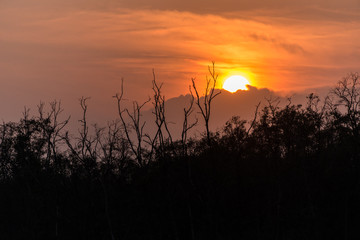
292	172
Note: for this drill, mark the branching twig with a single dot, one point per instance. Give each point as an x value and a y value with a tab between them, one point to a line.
209	95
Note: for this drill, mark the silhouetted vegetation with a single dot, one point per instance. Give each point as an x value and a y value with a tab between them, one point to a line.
293	172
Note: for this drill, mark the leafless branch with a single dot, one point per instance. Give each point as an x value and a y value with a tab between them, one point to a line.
209	95
135	124
254	120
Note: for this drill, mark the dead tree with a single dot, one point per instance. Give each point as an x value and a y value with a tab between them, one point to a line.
52	128
253	122
113	148
88	144
204	103
186	125
162	136
84	152
348	93
135	124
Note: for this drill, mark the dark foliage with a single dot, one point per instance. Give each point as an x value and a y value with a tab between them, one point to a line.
294	174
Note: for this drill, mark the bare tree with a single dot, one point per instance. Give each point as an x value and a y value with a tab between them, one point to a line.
209	95
84	152
253	122
114	147
52	128
135	124
348	93
160	120
186	125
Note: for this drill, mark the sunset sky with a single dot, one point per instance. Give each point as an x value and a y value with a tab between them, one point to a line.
65	49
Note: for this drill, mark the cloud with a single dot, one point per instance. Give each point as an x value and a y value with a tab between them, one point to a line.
289	47
66	49
345	10
224	106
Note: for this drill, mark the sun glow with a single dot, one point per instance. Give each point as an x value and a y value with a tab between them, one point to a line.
234	83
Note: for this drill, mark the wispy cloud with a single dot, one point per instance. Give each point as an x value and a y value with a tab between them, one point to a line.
77	48
289	47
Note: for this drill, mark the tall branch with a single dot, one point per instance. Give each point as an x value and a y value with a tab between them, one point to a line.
209	95
135	124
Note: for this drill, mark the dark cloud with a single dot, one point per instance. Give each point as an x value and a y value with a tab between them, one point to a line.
289	47
215	6
345	10
226	105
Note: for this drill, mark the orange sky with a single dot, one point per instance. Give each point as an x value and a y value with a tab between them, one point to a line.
67	49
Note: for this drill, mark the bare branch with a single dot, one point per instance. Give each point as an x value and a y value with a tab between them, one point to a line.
135	124
254	120
209	95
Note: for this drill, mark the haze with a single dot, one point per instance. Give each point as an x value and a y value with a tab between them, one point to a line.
51	49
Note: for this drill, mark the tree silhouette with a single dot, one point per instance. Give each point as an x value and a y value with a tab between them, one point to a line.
290	173
209	95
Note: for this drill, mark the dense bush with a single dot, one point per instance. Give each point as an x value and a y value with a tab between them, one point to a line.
292	173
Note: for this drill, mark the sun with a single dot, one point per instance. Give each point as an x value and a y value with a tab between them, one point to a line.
236	82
